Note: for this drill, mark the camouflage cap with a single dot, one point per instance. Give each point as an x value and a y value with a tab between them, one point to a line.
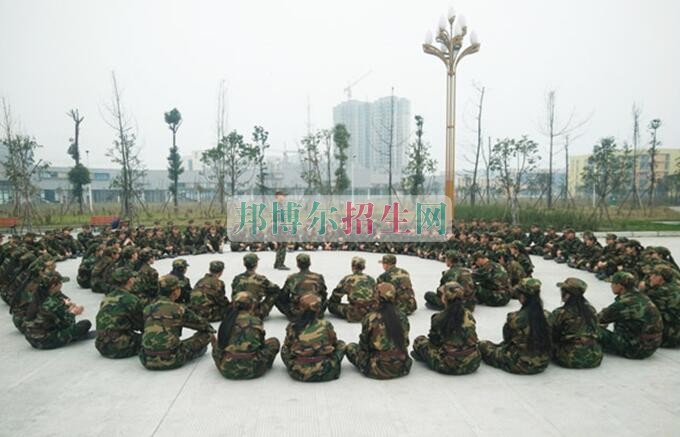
530	286
386	292
310	301
634	244
611	237
452	290
388	259
452	255
303	258
589	235
664	271
663	251
51	279
478	254
167	284
128	251
146	254
250	260
625	279
573	285
180	263
623	240
216	266
517	245
110	250
121	275
358	261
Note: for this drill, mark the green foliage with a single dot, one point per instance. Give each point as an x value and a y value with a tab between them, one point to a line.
260	146
607	169
78	176
420	165
310	157
173	118
341	140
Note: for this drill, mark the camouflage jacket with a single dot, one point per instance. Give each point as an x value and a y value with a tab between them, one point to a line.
121	312
163	323
185	285
516	330
634	316
374	338
462	276
300	283
463	338
146	285
358	287
536	239
52	316
402	283
247	334
208	298
491	276
666	297
316	339
254	283
569	327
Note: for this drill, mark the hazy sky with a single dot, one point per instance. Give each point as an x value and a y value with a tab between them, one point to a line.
599	55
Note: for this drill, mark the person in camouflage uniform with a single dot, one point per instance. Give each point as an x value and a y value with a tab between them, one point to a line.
146	284
298	284
213	241
382	351
587	256
162	346
42	266
664	291
526	336
241	351
51	318
179	270
406	299
518	253
311	350
208	298
638	327
85	237
358	287
455	273
280	246
491	280
536	240
452	345
92	255
120	318
102	269
262	289
568	247
575	329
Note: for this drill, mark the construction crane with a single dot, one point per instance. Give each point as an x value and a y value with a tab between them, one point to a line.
348	89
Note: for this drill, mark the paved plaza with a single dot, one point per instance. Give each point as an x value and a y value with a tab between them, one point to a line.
74	391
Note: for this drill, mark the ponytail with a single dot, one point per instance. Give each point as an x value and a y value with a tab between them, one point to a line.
393	326
453	317
539	331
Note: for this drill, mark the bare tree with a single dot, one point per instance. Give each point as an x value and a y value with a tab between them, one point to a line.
125	153
654	126
222	112
553	129
636	111
79	175
475	186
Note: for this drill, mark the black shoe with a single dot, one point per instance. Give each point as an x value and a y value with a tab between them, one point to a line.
82	329
282	268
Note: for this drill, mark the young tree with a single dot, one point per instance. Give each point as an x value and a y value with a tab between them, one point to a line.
216	166
79	175
653	150
173	118
327	138
341	140
125	153
636	111
260	146
475	187
419	165
310	158
606	169
514	160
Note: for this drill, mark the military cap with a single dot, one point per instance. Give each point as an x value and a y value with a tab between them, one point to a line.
146	254
310	301
625	279
303	258
358	261
634	243
250	260
568	230
478	254
663	251
121	275
386	291
530	286
453	255
216	266
611	237
128	251
573	285
622	240
180	263
388	259
51	279
550	228
517	245
589	235
243	298
167	284
664	271
452	290
110	251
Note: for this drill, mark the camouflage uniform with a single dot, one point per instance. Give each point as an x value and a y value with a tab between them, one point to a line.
179	268
54	325
376	355
247	354
119	320
457	274
146	285
359	290
208	298
492	284
162	347
638	327
298	284
406	299
314	353
456	354
263	290
513	354
575	341
666	297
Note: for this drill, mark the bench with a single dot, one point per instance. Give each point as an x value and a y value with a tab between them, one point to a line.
102	220
9	223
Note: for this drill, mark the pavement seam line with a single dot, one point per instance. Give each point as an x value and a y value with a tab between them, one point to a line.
179	392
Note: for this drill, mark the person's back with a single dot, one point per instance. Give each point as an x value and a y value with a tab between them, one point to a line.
664	291
358	287
208	297
401	280
264	291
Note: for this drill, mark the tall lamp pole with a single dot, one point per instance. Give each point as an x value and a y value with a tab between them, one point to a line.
450	35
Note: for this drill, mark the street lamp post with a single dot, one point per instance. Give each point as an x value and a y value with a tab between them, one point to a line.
450	35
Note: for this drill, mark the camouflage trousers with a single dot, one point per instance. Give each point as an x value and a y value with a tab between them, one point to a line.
57	339
492	298
442	360
280	255
316	368
379	364
264	307
351	312
671	334
511	360
578	355
83	278
628	347
209	311
246	365
406	302
113	344
192	347
433	302
18	320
